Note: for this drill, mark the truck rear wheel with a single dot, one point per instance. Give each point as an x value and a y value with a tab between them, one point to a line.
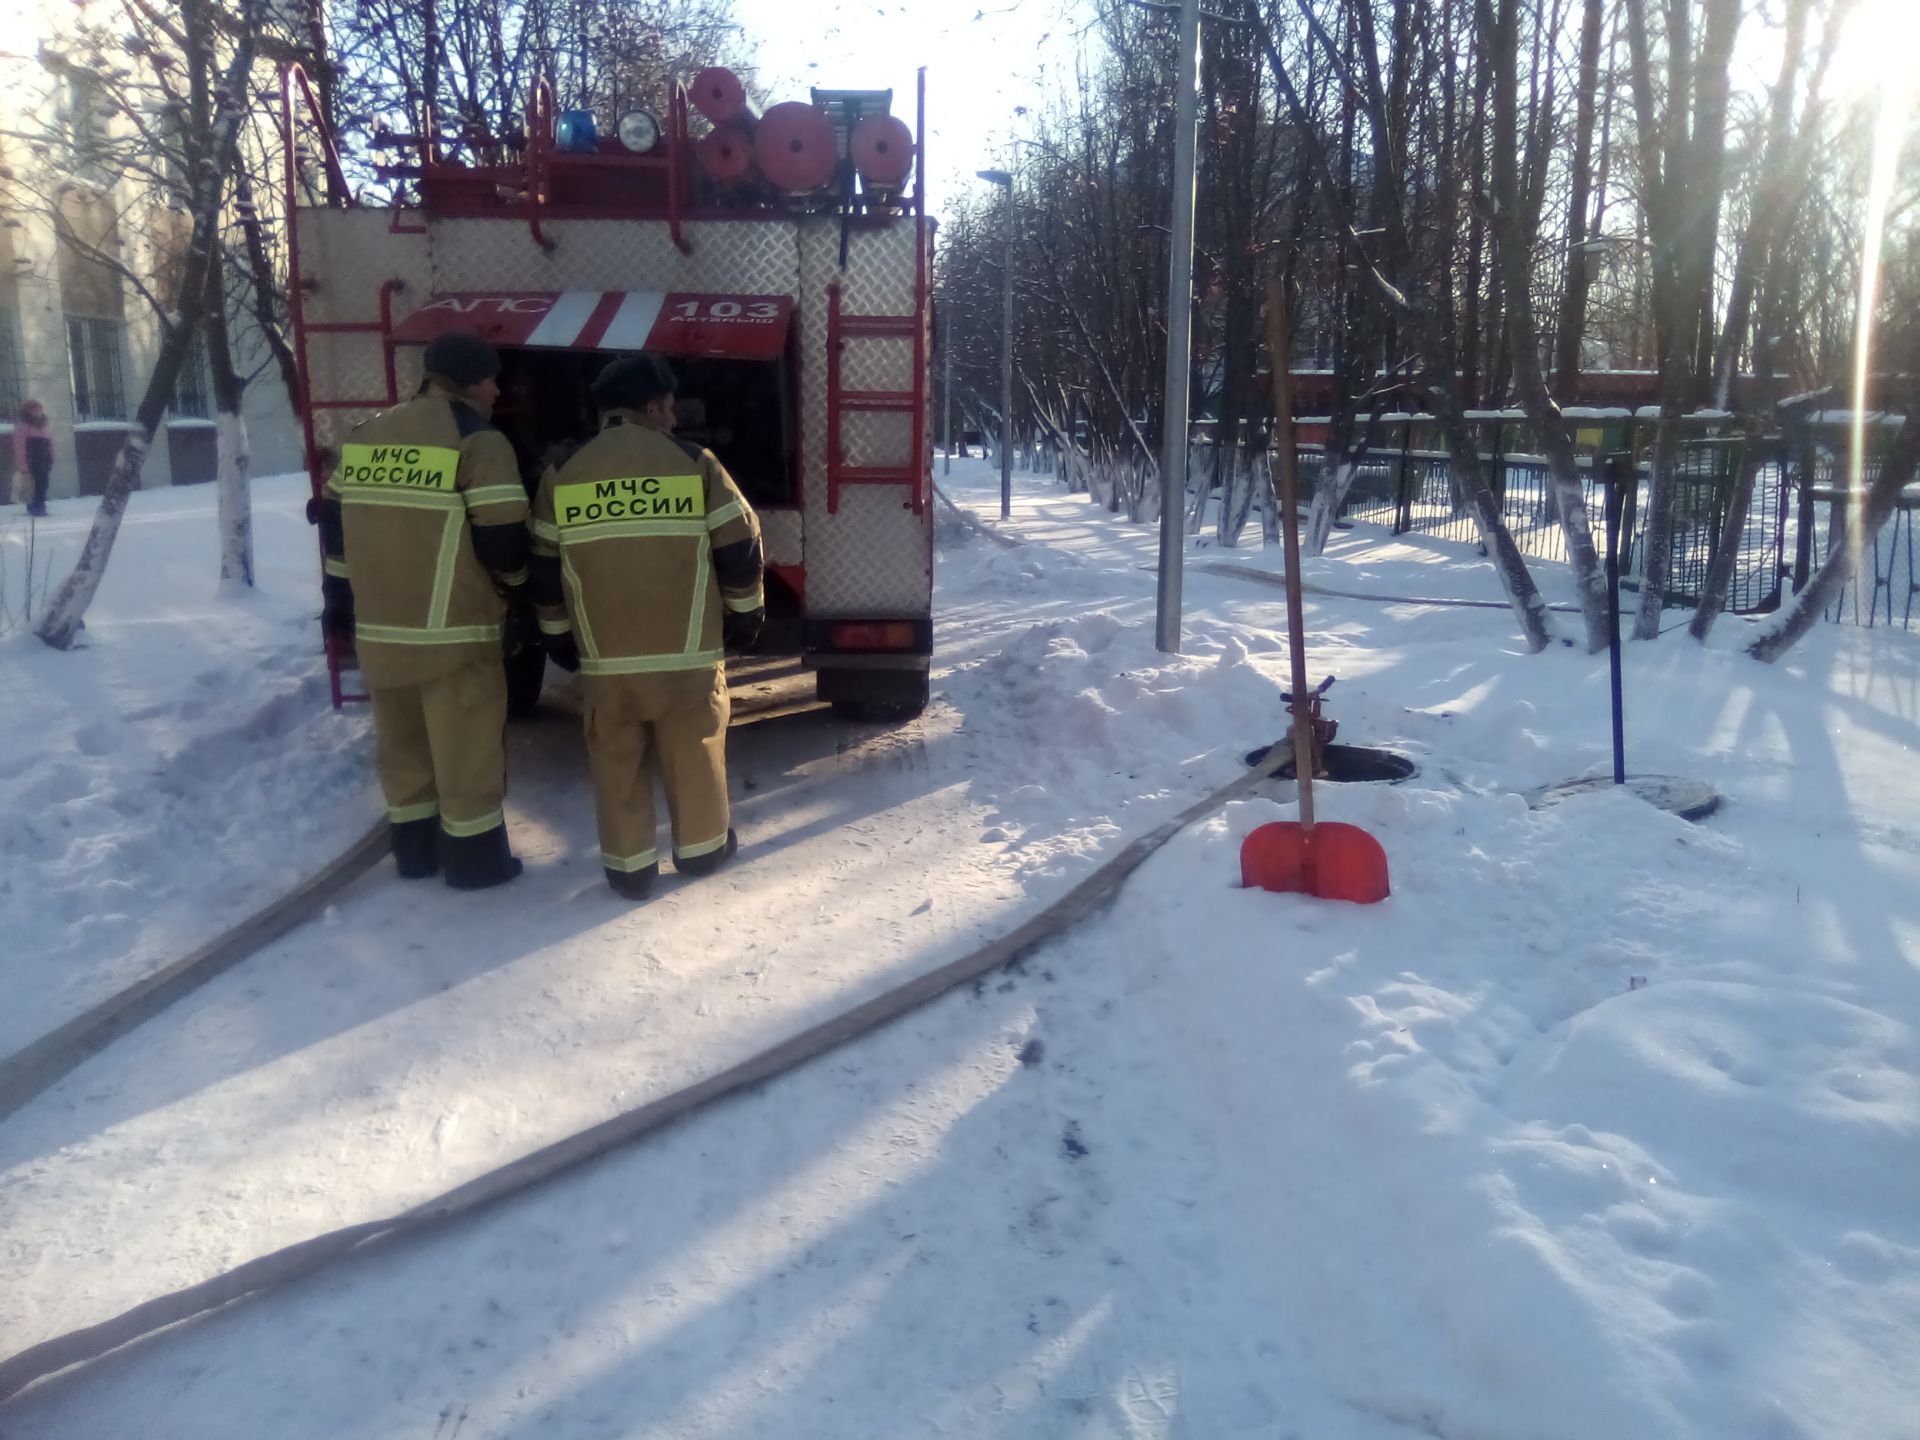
873	695
526	674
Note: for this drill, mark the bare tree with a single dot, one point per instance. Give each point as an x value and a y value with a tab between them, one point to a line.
1469	198
1410	261
1777	196
1861	522
1515	221
174	122
233	453
458	72
1682	139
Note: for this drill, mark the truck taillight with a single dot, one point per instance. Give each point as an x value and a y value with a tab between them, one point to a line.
873	635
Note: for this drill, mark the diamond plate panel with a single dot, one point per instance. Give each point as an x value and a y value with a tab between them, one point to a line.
346	366
878	362
871	559
781	537
345	256
876	438
744	256
331	428
879	275
874	556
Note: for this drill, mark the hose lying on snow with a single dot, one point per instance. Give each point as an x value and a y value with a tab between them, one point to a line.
282	1266
974	524
1279	578
35	1067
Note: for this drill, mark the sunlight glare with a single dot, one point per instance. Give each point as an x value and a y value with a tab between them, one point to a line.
1884	23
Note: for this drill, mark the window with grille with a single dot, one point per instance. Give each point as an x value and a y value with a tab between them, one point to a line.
13	360
190	386
94	345
85	111
13	368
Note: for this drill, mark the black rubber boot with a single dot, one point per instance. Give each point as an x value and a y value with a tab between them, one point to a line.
711	861
478	862
416	847
633	884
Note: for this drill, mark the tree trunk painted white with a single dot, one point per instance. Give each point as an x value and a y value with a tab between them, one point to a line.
66	616
1269	502
1327	500
1199	487
1656	543
1236	498
1781	632
1514	234
235	500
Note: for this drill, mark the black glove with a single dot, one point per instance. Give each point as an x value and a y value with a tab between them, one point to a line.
741	628
336	606
521	629
563	651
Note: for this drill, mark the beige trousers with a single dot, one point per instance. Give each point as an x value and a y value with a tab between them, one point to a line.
678	722
440	746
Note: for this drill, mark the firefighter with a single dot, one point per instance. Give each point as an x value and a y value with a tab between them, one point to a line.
646	567
424	528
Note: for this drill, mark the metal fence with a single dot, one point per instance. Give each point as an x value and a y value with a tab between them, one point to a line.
1885	585
1404	482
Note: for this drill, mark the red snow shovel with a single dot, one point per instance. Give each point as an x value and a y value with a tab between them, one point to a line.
1334	861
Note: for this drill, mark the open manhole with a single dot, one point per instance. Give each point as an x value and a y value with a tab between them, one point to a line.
1353	764
1677	795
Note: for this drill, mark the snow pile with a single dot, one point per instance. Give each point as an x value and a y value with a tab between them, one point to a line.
181	767
1117	723
1603	1125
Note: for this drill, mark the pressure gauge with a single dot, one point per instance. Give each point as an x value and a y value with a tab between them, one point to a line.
639	131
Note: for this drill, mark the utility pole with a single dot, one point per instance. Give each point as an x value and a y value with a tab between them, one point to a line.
1173	440
1006	366
1004	179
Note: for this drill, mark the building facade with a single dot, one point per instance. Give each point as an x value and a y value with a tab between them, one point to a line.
84	253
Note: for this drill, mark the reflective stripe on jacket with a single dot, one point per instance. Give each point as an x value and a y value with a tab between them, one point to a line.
432	529
641	543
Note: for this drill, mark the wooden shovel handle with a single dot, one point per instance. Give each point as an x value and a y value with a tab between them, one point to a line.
1281	454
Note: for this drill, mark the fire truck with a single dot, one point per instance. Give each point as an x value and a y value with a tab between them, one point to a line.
779	261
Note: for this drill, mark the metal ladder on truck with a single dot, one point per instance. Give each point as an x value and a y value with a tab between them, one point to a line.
843	329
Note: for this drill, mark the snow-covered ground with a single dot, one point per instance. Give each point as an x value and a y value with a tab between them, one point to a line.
181	767
1604	1125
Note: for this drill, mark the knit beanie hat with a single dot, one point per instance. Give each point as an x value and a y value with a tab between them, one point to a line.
633	381
461	358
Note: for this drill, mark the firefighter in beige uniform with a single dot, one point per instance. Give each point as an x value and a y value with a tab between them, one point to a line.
424	528
646	565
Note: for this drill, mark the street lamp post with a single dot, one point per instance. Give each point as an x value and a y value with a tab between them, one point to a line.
1004	179
1173	442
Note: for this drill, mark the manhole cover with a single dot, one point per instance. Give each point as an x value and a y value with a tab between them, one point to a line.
1689	799
1352	764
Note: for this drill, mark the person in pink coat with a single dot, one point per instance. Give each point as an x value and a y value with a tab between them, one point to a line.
33	452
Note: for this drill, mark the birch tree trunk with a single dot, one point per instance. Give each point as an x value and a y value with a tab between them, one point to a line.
213	161
1499	32
1425	309
1571	328
232	453
1896	471
236	500
1682	208
1713	594
1329	496
66	616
